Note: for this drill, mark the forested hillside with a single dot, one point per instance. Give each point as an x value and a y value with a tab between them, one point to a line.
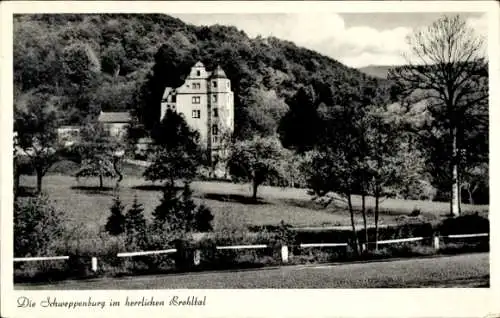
108	62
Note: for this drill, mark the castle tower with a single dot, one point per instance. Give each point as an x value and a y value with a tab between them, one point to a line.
221	103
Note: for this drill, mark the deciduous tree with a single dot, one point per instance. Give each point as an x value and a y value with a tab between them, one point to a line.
35	124
99	153
446	68
259	160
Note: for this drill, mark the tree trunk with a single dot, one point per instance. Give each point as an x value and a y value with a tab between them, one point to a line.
255	185
377	195
39	176
455	190
17	177
471	200
100	182
363	212
353	225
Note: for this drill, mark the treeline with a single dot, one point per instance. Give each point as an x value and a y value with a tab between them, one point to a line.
124	62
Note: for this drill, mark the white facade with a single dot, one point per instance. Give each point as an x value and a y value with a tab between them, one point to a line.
206	102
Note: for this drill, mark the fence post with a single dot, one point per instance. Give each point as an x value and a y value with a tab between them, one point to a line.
94	264
284	254
436	242
196	257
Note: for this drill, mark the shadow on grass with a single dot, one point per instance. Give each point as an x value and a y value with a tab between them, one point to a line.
94	190
308	204
238	198
151	187
26	191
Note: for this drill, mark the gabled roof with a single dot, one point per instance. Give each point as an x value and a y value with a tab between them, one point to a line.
114	117
167	92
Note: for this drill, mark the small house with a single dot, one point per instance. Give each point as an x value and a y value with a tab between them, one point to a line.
116	123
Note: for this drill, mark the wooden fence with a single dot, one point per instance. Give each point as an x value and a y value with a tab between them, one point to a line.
284	249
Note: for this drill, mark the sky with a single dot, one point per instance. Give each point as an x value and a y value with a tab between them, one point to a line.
355	39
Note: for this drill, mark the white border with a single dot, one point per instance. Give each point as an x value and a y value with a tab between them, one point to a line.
253	303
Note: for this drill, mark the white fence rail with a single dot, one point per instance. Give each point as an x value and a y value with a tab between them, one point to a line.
242	247
35	259
132	254
466	235
411	239
322	245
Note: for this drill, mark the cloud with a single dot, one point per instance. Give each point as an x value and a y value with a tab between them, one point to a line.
327	33
479	24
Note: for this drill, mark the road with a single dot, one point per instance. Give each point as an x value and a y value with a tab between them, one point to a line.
471	270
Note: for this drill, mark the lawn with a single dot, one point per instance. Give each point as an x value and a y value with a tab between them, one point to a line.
470	270
230	203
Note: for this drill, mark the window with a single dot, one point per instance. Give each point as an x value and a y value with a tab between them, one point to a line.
227	84
215	130
215	112
196	113
196	99
214	98
198	73
196	85
215	139
214	84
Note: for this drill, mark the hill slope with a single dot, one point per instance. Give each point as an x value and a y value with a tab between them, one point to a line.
379	71
118	62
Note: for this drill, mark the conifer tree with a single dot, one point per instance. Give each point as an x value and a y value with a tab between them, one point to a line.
203	219
167	208
116	221
135	224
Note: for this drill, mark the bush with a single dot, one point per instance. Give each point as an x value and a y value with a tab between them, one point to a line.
415	212
41	271
465	224
36	225
83	242
65	167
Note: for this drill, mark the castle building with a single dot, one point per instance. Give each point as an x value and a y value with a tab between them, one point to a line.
206	102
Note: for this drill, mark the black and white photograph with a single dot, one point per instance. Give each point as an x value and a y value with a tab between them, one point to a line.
246	150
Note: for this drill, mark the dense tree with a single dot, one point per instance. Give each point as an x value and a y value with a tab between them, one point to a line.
447	69
37	224
259	160
176	153
35	124
264	110
303	113
178	214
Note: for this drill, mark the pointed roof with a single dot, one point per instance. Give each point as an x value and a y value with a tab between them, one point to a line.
219	73
199	64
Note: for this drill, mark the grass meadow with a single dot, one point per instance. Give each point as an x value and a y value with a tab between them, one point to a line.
230	203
